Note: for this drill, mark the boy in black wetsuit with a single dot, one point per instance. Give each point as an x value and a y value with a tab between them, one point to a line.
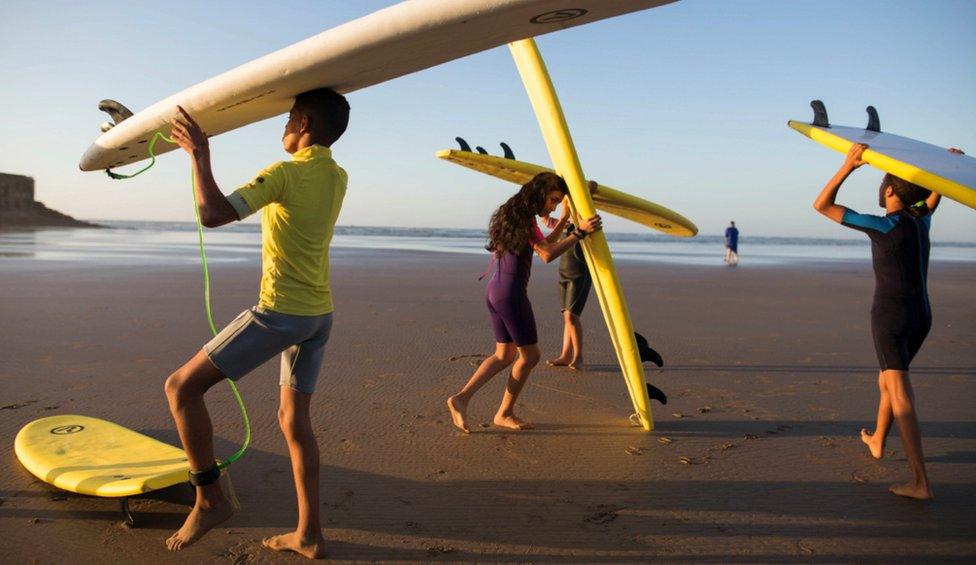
900	315
574	288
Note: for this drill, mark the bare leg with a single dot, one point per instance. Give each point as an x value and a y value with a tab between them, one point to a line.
876	440
296	425
184	391
491	366
505	417
903	408
576	334
567	353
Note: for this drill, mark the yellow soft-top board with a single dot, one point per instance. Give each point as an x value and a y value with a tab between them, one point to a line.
606	199
606	284
92	456
935	168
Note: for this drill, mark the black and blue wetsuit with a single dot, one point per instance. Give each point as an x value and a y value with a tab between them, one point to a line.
575	281
901	316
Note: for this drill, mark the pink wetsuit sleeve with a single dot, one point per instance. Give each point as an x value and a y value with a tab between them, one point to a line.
536	236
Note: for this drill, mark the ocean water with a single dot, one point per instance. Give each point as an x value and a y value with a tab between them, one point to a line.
175	243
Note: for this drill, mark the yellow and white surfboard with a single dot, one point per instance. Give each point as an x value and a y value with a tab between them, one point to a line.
605	199
952	175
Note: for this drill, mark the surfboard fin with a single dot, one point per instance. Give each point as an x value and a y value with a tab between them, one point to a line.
464	144
481	150
874	123
127	519
117	111
645	351
655	393
508	151
819	114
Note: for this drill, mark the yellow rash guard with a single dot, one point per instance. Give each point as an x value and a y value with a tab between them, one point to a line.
301	199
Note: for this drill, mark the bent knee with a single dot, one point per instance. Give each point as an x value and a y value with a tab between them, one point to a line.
292	425
175	387
507	358
530	357
506	354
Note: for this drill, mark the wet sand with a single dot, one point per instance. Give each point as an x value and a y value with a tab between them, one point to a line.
770	373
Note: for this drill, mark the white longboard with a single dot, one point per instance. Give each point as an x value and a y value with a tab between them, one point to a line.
396	41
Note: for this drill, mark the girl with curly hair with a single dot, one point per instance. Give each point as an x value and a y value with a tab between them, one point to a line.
513	235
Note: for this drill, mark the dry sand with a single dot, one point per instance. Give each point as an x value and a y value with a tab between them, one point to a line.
770	372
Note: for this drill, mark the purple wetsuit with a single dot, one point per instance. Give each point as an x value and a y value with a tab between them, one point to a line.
508	297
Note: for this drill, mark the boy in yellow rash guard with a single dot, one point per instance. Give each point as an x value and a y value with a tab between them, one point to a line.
299	202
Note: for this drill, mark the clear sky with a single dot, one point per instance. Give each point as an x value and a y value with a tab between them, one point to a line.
685	105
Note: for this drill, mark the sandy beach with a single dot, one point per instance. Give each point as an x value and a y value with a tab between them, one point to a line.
770	373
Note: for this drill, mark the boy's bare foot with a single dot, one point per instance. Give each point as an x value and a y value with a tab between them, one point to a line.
577	365
200	521
911	490
876	447
312	549
458	411
560	361
511	422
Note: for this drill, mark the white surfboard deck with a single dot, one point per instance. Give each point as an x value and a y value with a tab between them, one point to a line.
396	41
935	168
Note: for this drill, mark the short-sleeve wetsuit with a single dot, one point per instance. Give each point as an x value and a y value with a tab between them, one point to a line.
574	278
507	296
901	315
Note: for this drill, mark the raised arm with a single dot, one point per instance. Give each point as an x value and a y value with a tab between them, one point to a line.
547	251
933	200
215	210
825	201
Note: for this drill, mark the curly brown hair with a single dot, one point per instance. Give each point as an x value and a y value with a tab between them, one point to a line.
511	224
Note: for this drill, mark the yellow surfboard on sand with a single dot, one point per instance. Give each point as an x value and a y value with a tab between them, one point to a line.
96	457
566	163
605	199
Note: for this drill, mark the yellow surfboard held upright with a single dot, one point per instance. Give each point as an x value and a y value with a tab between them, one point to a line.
555	131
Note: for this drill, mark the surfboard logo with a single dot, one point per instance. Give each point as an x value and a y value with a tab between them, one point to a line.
65	430
558	16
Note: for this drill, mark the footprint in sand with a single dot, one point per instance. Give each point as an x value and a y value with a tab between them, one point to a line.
602	514
348	446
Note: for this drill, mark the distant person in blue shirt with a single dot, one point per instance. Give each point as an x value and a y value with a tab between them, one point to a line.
731	245
900	315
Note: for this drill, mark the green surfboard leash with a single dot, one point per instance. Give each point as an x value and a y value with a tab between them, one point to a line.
206	290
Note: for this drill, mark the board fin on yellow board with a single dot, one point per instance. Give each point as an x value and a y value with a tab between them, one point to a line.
951	174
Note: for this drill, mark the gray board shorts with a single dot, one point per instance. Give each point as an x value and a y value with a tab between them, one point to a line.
258	334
